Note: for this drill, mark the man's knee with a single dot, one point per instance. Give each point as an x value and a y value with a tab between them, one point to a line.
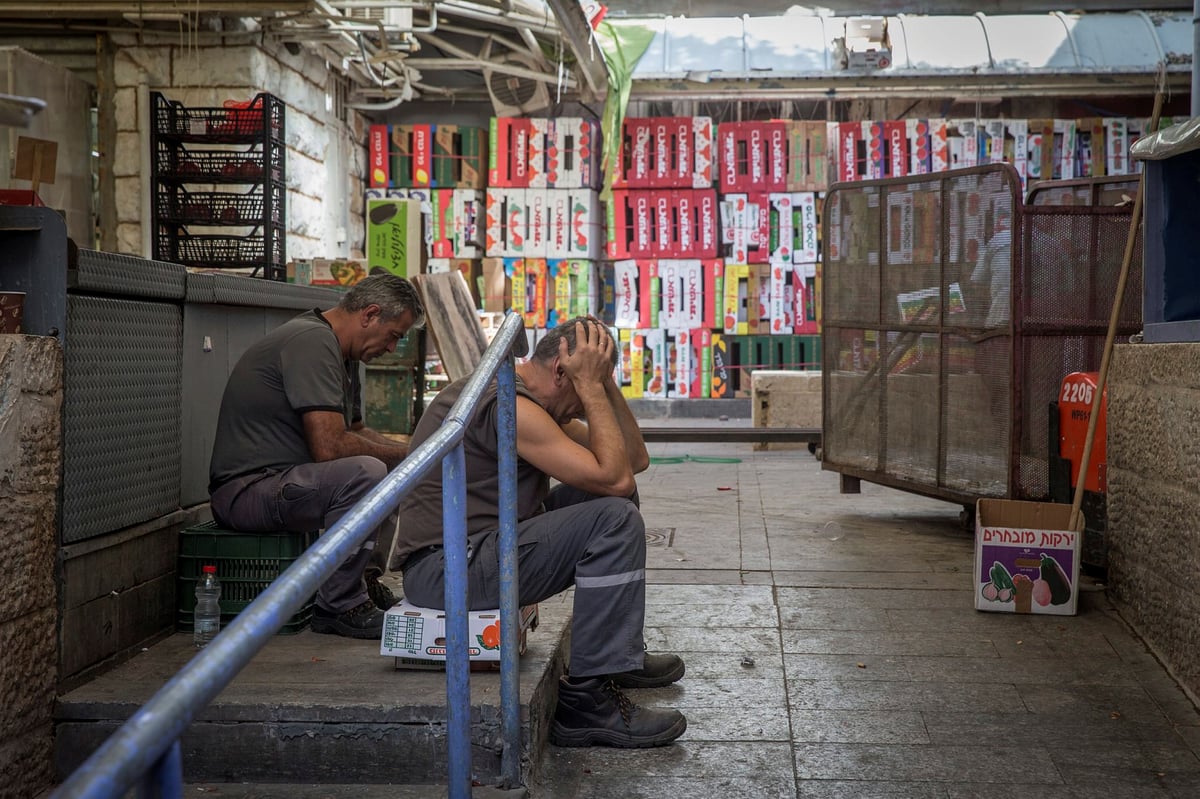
621	517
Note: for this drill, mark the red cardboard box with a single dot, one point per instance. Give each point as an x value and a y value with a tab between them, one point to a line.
517	152
895	134
702	153
643	244
714	293
804	294
638	147
876	150
663	224
378	157
411	156
753	156
695	223
619	215
851	152
781	315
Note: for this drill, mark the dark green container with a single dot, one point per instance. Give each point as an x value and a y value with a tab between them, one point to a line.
389	393
246	564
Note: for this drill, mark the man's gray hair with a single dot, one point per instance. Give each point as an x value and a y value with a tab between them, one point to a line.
547	348
394	295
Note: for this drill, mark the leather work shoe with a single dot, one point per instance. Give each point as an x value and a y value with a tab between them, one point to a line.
656	671
380	594
595	713
364	621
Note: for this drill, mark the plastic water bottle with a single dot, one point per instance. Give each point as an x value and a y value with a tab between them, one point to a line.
206	621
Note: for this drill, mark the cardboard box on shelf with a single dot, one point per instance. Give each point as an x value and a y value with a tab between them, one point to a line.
721	367
804	290
851	151
1026	557
1116	146
806	156
643	243
619	216
758	301
495	289
469	221
337	272
507	227
876	150
655	371
753	156
714	293
1041	149
441	243
378	165
410	156
867	43
537	222
703	154
1064	148
734	308
627	310
650	291
460	157
517	152
416	636
395	238
781	314
1089	147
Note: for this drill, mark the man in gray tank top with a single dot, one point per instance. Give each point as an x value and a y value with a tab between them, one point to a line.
291	451
587	532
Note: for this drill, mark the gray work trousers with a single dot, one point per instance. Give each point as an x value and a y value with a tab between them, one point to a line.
597	544
312	496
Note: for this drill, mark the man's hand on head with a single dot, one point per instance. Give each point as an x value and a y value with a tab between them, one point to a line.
591	362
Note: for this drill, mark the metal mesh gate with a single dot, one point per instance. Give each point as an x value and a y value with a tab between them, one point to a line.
940	358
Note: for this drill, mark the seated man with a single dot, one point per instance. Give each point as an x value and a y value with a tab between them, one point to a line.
588	532
291	451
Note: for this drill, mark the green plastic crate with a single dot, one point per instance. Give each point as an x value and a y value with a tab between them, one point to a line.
246	564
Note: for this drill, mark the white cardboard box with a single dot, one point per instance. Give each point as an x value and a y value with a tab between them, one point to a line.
417	636
1026	557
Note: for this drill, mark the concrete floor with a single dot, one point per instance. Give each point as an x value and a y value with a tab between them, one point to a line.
833	651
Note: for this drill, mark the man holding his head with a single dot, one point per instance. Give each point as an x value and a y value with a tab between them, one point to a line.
587	532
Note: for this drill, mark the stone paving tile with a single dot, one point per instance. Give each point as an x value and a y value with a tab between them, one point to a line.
766	665
835	642
1150	789
862	789
757	723
858	727
688	759
906	580
779	786
838	619
950	764
845	667
1052	730
703	614
795	599
690	576
733	693
1050	670
1092	701
902	696
725	639
706	594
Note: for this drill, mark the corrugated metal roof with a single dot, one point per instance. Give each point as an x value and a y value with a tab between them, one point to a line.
798	44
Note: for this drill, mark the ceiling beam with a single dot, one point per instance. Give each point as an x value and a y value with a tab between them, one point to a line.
575	28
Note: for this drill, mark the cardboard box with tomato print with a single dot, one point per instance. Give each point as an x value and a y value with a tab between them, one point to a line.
416	637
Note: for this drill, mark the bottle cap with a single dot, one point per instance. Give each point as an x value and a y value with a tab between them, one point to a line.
209	569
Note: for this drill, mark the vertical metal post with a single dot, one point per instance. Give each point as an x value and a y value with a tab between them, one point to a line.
510	624
1195	63
165	779
458	667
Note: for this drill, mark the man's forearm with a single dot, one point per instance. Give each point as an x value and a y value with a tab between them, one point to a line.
352	443
631	431
606	440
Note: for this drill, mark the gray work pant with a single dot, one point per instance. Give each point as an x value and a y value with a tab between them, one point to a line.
597	544
312	496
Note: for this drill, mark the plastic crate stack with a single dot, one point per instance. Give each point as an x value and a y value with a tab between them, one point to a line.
219	184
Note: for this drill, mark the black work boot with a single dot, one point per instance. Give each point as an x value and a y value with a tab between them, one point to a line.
380	594
595	713
656	671
363	621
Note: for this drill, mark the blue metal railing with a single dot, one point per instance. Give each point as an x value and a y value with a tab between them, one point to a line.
145	752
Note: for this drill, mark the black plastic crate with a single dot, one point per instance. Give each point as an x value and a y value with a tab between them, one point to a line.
247	563
220	166
237	120
211	207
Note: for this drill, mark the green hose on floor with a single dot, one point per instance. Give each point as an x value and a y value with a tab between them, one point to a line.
692	459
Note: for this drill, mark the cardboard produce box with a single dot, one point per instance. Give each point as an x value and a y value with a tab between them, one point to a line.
416	636
1026	557
395	236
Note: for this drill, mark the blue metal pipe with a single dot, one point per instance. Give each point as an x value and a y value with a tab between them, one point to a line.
510	700
458	666
135	748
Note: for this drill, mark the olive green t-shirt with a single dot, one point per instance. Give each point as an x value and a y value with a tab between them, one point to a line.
296	368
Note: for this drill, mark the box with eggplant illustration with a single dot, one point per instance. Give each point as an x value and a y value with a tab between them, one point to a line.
1026	557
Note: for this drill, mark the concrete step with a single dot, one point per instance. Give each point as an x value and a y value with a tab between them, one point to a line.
324	710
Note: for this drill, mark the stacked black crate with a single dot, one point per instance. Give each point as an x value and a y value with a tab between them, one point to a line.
219	184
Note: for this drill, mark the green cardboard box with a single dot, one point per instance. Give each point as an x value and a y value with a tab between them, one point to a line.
395	238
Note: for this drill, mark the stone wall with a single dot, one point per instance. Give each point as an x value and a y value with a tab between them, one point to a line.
1154	499
326	143
30	473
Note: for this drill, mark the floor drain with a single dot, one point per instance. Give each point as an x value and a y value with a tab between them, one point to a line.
660	536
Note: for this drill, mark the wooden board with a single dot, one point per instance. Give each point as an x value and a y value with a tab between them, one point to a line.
451	320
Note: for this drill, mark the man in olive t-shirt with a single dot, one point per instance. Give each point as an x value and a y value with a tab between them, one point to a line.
291	452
